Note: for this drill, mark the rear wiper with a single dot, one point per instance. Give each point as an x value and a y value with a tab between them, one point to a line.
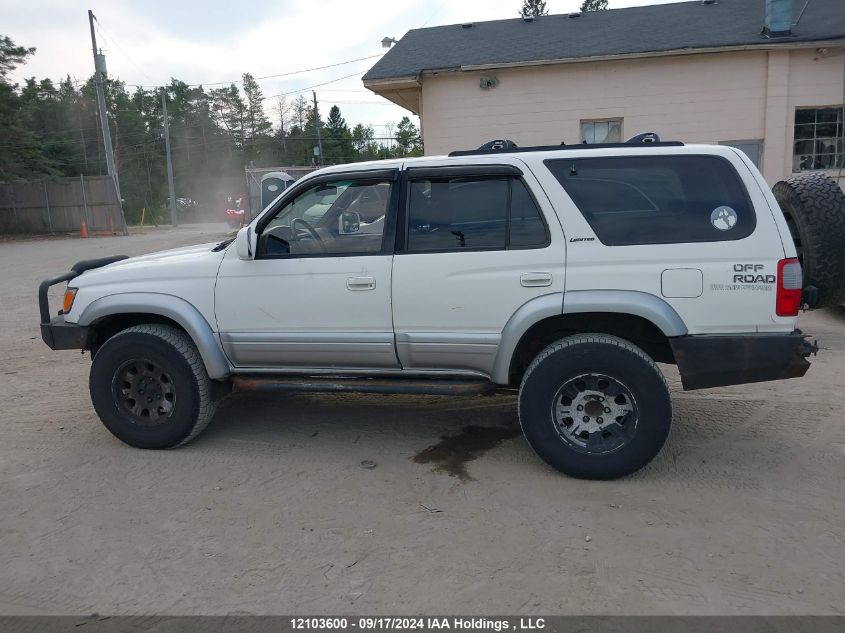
222	245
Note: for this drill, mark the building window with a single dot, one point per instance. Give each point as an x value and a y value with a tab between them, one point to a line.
601	131
819	138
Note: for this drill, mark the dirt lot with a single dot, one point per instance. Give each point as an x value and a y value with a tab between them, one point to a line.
271	510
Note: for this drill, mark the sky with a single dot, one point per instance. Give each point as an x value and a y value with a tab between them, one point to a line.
206	42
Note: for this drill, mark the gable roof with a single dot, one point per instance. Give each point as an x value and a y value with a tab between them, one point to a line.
631	31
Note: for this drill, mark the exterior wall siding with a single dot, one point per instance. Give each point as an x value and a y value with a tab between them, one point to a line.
704	98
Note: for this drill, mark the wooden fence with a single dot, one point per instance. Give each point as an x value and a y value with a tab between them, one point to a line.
60	206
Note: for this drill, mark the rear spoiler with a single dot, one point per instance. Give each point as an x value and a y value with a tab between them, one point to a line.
77	269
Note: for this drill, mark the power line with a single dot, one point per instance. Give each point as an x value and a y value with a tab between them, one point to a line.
381	103
307	88
284	74
101	30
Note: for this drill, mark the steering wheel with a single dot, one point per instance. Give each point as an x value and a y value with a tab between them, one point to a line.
309	229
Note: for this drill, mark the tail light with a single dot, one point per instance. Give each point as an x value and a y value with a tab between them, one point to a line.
790	279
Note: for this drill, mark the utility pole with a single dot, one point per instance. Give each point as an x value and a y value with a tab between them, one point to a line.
99	76
173	219
317	125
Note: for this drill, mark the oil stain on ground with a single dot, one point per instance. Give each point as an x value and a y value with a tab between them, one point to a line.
453	452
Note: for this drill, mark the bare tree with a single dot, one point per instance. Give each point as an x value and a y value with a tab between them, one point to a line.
284	110
389	127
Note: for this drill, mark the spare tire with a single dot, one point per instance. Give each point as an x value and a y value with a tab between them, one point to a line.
814	206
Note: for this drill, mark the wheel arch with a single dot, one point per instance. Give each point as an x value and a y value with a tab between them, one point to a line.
641	318
120	311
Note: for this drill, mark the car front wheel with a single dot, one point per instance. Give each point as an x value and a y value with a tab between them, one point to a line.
150	388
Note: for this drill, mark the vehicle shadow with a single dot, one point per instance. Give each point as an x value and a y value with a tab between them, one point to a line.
713	442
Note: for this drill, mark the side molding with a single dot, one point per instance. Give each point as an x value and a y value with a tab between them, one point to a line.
650	307
527	315
169	306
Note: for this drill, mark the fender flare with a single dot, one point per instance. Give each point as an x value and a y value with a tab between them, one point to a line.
172	307
526	316
642	304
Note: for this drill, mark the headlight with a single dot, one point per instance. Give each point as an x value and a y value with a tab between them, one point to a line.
70	295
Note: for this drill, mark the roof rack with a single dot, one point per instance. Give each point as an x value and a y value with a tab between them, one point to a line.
499	146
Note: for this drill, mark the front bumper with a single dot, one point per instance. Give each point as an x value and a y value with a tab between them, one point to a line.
720	360
56	332
61	335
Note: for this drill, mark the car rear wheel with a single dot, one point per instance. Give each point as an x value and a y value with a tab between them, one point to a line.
150	388
595	406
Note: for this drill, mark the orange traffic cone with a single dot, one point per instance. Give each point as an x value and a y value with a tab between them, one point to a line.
84	231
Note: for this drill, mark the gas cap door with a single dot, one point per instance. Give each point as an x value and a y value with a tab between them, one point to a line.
682	283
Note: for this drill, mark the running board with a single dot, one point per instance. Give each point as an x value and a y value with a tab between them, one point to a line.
414	386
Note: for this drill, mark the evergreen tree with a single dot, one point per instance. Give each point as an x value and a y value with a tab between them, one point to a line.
52	130
408	138
364	145
257	126
593	5
313	123
19	149
12	55
534	8
338	144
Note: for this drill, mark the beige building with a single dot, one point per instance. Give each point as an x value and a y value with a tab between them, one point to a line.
762	75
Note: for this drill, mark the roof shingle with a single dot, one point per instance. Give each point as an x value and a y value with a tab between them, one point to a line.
656	28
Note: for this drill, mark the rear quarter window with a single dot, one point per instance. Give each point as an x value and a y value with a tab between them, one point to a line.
631	200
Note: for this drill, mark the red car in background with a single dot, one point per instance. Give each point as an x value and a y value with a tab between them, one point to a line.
235	212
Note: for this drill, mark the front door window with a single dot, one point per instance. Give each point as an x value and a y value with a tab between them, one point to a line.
341	217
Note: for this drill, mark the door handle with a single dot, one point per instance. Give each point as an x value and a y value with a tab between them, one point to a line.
361	283
534	280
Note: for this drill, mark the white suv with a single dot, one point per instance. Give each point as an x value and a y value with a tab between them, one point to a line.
564	272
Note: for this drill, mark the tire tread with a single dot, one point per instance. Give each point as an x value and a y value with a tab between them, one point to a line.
183	344
816	204
620	344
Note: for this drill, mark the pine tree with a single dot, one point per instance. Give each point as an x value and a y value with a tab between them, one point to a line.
533	8
408	138
363	142
51	129
338	145
12	55
257	126
593	5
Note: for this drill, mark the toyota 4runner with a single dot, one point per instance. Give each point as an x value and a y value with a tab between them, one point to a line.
566	273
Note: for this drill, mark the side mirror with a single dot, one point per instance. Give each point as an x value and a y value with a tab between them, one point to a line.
350	222
245	243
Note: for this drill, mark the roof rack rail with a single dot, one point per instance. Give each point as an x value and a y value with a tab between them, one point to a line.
646	139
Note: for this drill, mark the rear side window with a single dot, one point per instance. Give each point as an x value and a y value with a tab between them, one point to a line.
473	213
658	199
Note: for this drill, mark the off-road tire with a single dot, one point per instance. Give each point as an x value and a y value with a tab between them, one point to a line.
610	356
814	206
171	349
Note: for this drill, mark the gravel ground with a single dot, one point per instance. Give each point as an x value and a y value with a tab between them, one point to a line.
332	504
